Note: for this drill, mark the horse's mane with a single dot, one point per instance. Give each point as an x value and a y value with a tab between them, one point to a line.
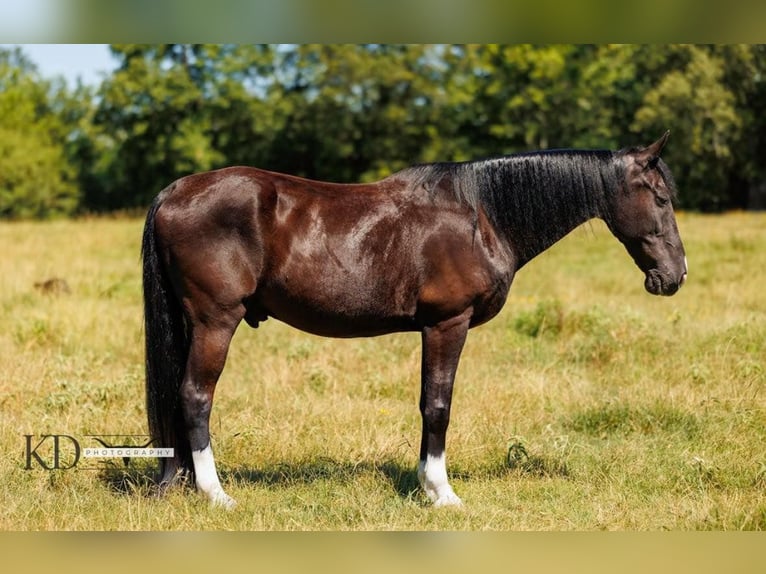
533	198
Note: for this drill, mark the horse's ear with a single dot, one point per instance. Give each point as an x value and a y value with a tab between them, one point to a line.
656	147
650	155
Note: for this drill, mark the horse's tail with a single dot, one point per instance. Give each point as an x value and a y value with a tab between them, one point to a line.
167	348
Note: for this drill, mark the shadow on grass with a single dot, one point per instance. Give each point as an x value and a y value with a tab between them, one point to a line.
403	479
139	479
134	479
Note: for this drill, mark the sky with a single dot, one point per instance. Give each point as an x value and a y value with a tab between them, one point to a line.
87	61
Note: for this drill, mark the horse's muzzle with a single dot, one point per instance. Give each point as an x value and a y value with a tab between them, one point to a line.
661	283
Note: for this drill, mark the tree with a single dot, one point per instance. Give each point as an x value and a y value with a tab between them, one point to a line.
360	112
525	97
342	112
700	109
353	112
35	178
744	74
150	109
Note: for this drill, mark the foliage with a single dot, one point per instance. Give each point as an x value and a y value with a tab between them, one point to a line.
360	112
706	125
35	178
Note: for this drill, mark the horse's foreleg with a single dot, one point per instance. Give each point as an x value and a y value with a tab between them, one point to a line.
442	345
207	355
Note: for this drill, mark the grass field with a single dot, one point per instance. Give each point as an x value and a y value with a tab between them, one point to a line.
587	404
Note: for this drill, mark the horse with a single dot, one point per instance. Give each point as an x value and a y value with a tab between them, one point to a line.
432	249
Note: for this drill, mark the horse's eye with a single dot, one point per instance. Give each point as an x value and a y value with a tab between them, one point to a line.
661	201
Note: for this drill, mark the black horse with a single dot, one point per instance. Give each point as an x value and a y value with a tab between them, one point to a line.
433	248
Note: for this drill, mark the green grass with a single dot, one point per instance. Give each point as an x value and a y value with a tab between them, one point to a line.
587	404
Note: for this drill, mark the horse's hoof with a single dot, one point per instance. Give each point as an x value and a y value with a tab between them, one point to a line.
448	499
223	500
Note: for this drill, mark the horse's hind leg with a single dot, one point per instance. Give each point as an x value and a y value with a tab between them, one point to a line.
207	355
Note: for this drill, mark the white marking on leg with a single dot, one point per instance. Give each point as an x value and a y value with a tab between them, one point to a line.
432	474
207	480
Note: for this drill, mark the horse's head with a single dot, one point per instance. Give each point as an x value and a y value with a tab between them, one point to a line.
642	219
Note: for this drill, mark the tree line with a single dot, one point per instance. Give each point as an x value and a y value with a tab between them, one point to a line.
360	112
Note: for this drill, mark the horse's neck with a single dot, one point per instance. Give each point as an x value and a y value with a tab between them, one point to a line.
537	199
542	242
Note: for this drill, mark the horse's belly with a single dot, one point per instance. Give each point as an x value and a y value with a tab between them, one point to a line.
349	310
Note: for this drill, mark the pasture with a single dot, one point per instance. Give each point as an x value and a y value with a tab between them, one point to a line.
586	404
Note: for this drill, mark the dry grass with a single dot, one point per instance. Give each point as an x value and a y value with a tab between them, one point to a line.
587	404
